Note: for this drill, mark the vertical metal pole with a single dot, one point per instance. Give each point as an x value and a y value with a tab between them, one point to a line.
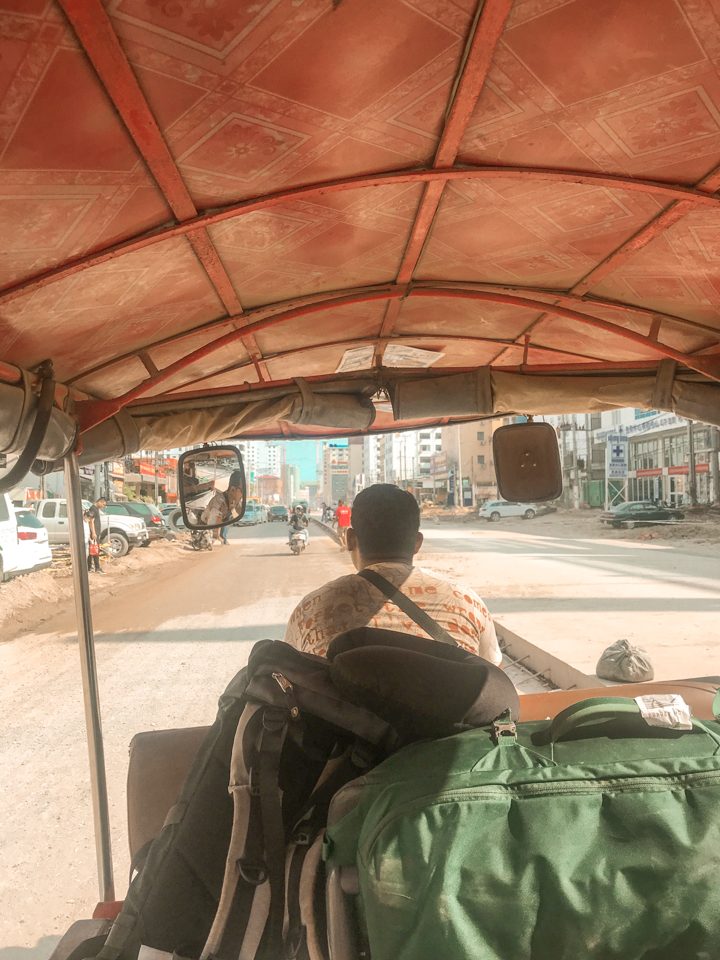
715	464
156	477
461	497
692	478
93	725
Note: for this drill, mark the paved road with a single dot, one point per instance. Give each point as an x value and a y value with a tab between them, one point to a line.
169	642
572	588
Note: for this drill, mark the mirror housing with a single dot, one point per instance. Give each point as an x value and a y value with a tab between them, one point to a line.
527	462
211	487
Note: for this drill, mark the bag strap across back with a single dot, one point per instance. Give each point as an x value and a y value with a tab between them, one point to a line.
408	606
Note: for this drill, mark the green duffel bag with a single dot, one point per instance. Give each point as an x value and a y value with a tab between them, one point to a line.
595	835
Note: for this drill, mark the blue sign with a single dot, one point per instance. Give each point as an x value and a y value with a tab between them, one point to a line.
616	457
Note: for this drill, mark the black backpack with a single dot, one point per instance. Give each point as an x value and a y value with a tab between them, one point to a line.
223	877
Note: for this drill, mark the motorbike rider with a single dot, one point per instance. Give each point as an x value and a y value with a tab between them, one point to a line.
298	524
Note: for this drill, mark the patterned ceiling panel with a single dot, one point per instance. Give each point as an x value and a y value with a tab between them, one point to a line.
520	233
274	93
677	273
341	323
70	177
122	305
619	104
300	247
562	334
462	318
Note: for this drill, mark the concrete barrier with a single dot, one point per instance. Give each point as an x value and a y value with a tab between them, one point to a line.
326	528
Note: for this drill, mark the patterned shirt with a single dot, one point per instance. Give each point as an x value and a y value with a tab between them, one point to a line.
351	602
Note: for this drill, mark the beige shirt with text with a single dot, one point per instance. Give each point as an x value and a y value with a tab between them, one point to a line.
351	601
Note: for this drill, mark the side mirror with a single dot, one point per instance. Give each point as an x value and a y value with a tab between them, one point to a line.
211	487
527	462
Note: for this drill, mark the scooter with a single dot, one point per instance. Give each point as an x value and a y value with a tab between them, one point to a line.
298	541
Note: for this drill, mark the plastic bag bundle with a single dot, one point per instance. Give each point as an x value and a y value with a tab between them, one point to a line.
623	662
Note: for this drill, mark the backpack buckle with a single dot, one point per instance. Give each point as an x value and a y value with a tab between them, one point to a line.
505	729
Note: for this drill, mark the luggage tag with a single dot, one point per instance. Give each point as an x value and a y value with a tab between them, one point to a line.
665	710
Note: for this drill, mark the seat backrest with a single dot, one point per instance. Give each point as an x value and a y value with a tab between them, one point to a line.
698	694
160	761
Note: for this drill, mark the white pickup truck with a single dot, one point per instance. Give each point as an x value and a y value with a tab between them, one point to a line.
121	533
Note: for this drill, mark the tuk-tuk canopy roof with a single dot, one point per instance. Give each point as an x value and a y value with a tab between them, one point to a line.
203	202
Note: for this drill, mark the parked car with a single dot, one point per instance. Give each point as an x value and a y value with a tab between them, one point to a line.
33	541
495	510
640	512
278	514
152	517
22	546
121	533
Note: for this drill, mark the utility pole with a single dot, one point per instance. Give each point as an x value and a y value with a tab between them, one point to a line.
576	477
715	464
692	477
97	481
461	498
155	471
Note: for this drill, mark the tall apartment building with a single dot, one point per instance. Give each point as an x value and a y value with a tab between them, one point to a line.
468	460
263	457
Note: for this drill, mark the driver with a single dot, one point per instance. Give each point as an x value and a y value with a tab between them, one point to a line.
225	504
298	523
192	487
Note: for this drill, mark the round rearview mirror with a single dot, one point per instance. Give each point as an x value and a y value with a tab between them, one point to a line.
211	487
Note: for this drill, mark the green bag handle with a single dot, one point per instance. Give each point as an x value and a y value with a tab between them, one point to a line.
607	708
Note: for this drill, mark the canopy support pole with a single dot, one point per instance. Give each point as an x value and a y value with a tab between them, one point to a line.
88	669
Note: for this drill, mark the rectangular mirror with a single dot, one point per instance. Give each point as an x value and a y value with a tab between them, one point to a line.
527	462
211	487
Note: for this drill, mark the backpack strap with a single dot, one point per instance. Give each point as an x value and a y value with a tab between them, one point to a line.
408	606
271	744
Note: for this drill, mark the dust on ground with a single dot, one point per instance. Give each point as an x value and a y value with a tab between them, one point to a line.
28	601
700	527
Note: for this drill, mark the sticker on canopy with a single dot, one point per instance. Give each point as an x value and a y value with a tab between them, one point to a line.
665	710
358	358
397	355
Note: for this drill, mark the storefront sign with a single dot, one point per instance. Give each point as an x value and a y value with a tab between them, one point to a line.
616	457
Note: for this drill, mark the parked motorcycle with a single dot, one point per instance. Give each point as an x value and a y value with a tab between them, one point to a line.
201	539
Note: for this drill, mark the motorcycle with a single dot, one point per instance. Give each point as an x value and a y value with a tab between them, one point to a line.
201	539
298	541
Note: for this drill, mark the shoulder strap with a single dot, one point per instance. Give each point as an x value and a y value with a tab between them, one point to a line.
408	606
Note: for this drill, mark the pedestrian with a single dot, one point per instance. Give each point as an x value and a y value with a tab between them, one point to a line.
383	540
224	533
343	515
92	515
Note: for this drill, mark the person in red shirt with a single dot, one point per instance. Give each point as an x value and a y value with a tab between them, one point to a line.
343	515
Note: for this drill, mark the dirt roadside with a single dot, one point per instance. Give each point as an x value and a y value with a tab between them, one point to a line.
29	601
